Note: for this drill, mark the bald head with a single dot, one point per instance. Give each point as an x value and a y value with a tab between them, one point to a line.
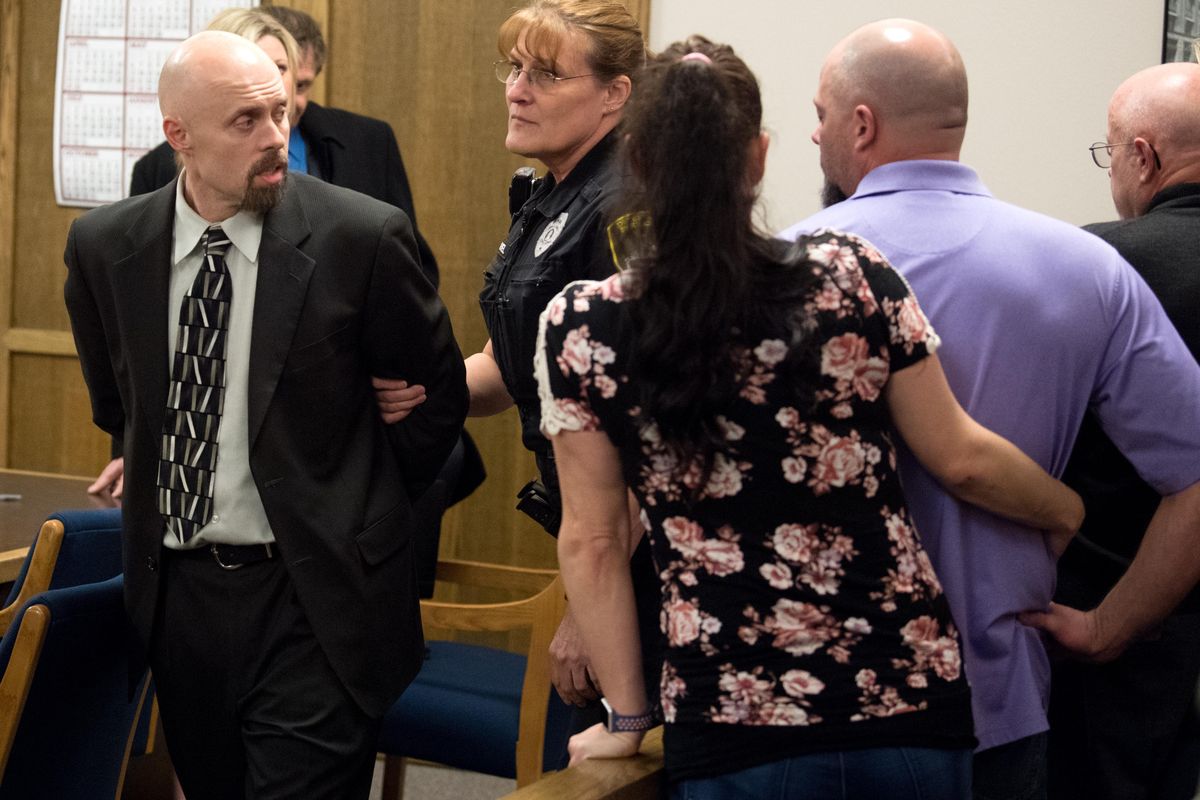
1154	119
909	73
893	90
209	58
225	114
1163	100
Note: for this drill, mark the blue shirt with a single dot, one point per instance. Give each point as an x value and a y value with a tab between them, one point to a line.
297	152
1039	320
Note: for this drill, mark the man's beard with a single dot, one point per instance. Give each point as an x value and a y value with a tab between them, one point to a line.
831	194
261	199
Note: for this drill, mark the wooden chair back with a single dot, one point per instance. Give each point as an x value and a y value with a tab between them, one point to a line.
39	567
72	548
539	613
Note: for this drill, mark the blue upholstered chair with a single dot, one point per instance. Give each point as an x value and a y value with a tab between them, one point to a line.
72	548
66	715
479	708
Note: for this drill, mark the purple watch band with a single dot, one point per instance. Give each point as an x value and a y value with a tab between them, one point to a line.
628	723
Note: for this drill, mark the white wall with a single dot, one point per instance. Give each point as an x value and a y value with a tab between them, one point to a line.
1040	72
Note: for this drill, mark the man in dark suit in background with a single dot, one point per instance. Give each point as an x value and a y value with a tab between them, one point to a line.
340	147
267	514
1128	729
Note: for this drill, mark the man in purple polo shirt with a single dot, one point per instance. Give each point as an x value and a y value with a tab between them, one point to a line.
1039	321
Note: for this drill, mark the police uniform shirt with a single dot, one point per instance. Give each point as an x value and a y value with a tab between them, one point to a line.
558	236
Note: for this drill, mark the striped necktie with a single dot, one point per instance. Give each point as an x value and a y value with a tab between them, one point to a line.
187	463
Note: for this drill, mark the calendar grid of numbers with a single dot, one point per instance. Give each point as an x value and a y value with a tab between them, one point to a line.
106	114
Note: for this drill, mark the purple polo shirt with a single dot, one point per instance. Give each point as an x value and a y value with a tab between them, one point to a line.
1039	320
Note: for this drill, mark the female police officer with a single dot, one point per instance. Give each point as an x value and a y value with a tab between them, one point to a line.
567	66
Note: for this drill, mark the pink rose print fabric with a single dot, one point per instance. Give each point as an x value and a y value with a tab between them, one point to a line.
795	589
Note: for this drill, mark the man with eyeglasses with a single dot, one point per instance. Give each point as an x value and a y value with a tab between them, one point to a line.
1039	321
1128	728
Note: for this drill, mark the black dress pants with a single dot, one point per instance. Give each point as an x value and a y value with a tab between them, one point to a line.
1128	729
251	708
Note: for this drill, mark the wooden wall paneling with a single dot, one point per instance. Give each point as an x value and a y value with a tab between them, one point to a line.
41	224
51	391
48	425
641	11
10	52
39	342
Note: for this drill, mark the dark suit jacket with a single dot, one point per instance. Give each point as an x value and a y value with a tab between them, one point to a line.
348	149
339	298
1161	245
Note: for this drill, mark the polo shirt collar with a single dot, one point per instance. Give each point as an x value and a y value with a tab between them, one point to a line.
915	175
244	229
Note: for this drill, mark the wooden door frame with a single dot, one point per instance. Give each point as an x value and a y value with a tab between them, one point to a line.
10	59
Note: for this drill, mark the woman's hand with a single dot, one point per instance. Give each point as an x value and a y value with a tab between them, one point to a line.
597	742
396	398
570	670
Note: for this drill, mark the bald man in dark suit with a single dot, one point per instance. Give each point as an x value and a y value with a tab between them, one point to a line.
271	587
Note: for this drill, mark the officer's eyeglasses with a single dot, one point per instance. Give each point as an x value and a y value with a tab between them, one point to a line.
508	72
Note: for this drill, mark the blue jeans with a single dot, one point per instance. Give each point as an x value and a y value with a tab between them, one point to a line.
896	773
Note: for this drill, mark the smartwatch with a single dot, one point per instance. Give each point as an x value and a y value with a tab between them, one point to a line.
628	723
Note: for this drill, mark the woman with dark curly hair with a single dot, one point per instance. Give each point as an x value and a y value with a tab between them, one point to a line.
745	388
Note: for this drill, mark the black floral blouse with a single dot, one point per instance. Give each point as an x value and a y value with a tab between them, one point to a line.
795	589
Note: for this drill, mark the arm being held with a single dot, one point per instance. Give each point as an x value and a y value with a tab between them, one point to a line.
397	399
1166	568
408	336
1147	404
973	463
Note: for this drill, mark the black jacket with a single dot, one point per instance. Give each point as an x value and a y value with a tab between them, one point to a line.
1162	246
339	299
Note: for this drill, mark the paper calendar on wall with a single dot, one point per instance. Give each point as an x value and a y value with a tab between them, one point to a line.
106	107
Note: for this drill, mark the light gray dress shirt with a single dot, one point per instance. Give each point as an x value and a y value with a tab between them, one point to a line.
238	514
